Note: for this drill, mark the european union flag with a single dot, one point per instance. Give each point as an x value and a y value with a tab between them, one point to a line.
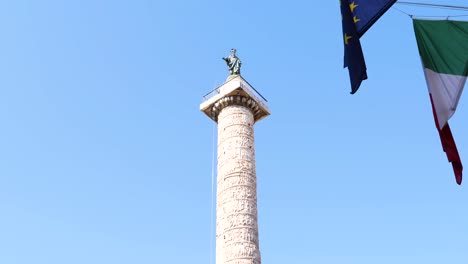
353	57
357	17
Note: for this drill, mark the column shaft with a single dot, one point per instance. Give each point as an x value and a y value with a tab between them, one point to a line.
236	214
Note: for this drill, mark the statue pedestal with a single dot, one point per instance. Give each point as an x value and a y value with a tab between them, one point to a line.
234	85
232	76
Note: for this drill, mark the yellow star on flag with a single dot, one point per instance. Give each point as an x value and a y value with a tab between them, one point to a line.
353	6
356	19
346	38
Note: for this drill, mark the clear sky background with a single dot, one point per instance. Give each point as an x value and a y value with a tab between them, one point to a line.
106	158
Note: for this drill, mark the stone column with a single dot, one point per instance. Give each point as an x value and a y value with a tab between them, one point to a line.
236	106
236	214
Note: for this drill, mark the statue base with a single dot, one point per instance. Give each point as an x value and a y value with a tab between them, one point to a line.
232	76
234	87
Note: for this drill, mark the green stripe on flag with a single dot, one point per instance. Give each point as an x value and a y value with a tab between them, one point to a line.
443	45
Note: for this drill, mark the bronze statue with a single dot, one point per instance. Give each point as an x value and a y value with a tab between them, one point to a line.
233	63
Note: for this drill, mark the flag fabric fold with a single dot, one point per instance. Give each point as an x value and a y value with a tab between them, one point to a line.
357	17
353	56
443	47
449	146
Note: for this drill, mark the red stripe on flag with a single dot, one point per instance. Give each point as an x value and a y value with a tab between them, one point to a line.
449	146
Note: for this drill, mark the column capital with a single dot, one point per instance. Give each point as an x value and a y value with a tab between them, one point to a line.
236	100
235	91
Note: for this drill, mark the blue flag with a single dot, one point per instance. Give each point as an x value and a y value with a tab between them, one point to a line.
357	17
353	57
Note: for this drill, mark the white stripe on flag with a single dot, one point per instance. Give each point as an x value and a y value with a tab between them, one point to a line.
446	90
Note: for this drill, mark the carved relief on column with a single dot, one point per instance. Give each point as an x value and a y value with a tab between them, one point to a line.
236	215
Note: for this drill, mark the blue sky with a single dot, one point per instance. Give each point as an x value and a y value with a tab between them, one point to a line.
106	158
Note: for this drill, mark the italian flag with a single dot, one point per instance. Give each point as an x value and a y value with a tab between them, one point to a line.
443	46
